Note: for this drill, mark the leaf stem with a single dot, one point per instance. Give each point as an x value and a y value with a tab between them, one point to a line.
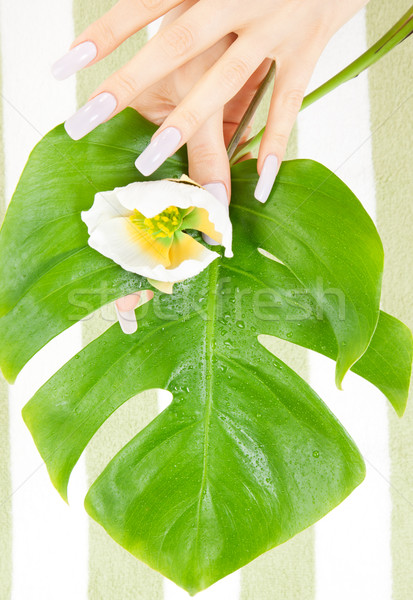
249	113
397	34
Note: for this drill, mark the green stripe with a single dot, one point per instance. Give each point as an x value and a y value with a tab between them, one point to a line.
113	573
5	475
391	122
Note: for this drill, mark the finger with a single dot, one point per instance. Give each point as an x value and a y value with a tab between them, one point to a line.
107	33
290	83
192	33
207	156
208	162
229	131
236	107
125	311
207	97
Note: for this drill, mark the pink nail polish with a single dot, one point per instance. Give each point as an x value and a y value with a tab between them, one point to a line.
92	114
217	189
266	180
77	58
160	148
127	320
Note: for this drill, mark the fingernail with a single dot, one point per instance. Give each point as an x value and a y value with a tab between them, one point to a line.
160	148
217	189
267	178
90	115
127	320
77	58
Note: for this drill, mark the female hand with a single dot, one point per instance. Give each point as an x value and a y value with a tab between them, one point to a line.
207	157
292	32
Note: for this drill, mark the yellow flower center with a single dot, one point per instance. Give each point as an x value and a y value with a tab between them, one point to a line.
163	225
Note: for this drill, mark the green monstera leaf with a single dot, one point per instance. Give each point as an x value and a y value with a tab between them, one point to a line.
246	455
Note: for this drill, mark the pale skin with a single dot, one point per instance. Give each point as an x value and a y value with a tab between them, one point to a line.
292	32
199	73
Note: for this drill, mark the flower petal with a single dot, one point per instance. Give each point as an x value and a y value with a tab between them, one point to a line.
166	287
152	197
129	246
105	206
119	240
183	248
198	219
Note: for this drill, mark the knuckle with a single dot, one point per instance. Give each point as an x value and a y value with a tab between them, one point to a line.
177	39
204	155
191	119
279	140
293	99
235	73
151	5
105	33
126	83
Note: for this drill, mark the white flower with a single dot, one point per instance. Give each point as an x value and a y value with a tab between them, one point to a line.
142	228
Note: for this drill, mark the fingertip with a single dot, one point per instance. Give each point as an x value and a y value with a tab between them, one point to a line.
127	321
219	190
267	178
93	113
161	147
129	302
74	60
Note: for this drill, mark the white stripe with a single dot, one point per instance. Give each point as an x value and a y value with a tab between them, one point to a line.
225	589
352	543
49	539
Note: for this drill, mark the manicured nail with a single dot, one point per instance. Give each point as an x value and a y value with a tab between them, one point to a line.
90	115
217	189
160	148
127	320
267	178
77	58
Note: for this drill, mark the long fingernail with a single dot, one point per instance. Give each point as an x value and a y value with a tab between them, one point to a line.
77	58
217	189
127	320
160	148
92	114
267	178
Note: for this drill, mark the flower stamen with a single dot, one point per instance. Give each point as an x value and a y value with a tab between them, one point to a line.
163	225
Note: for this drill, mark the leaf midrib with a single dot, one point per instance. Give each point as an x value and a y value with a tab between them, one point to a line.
209	350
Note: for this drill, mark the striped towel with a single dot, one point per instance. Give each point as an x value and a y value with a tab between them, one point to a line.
363	550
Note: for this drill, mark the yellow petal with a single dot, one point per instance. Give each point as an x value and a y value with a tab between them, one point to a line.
184	248
155	248
166	287
198	219
185	179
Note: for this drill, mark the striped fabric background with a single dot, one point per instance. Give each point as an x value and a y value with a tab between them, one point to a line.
361	551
